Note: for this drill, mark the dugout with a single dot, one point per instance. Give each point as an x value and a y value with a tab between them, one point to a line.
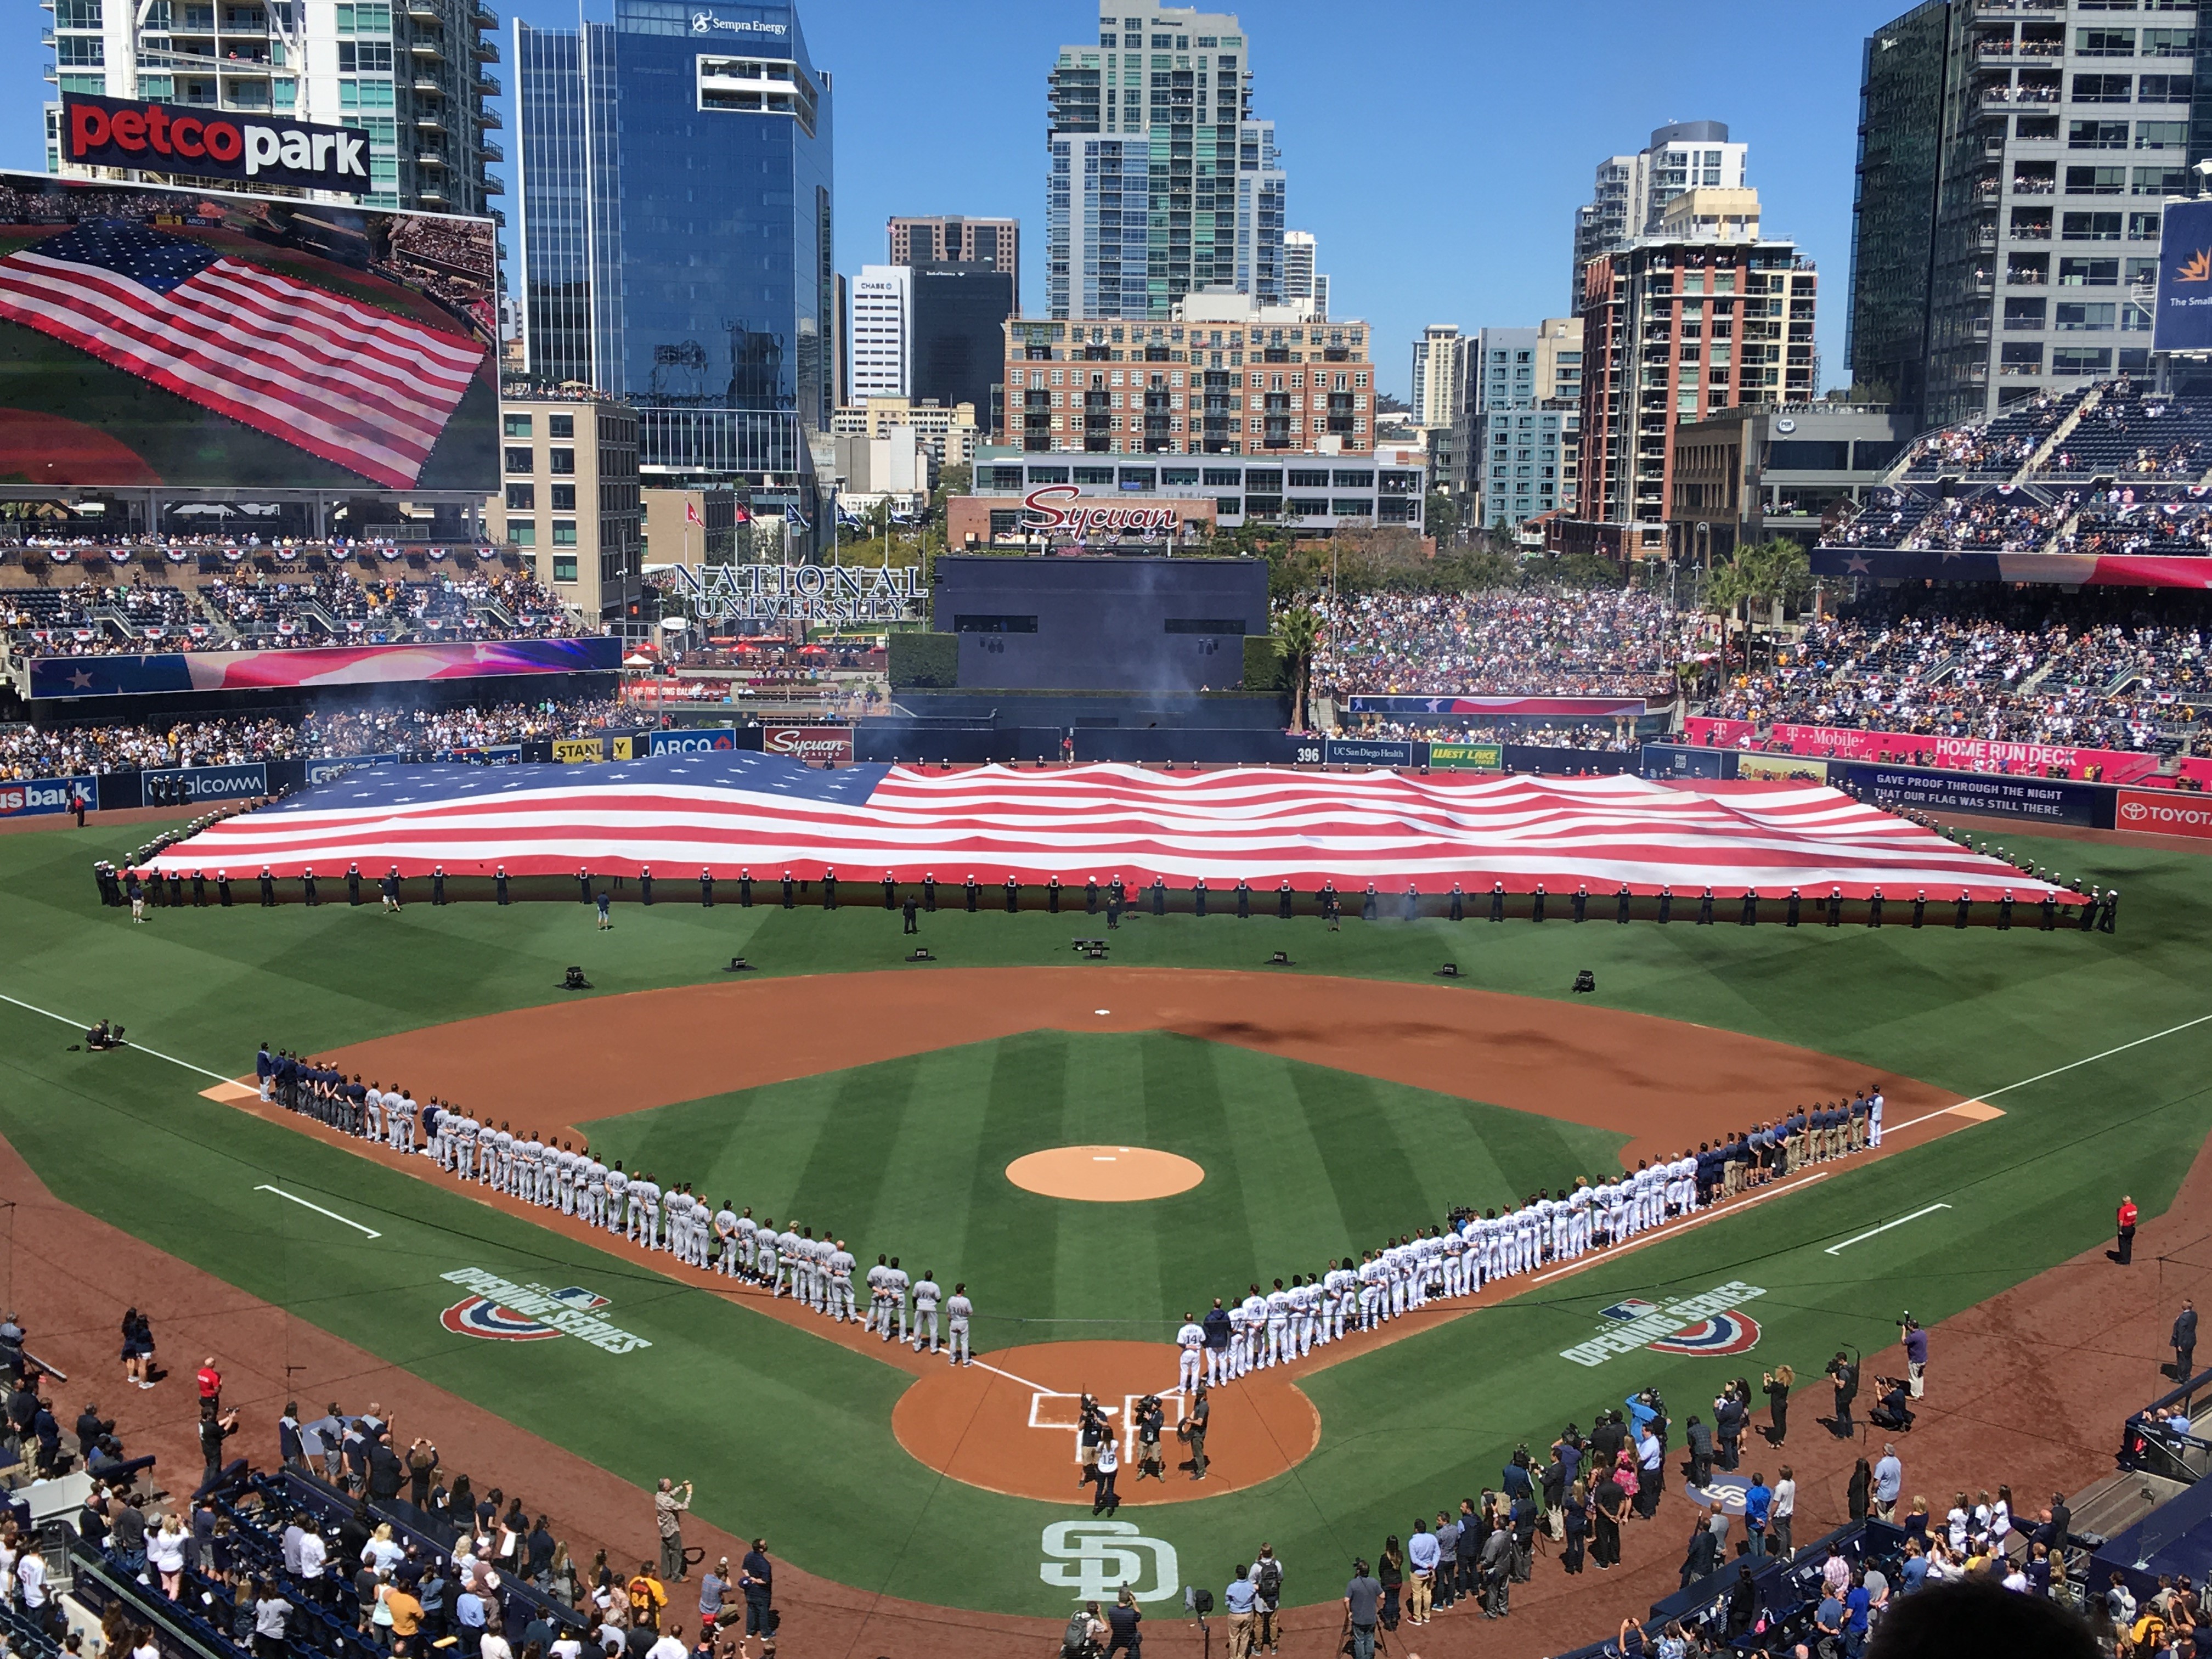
1102	623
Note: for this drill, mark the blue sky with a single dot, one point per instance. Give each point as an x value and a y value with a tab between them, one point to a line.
1437	148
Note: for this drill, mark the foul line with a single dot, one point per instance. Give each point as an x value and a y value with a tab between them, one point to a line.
1035	1388
1676	1231
1837	1249
84	1025
2108	1054
320	1210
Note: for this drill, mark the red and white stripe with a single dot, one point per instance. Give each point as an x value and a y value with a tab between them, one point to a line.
1264	826
345	381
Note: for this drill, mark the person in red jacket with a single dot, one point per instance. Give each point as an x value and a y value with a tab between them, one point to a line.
2126	1221
210	1381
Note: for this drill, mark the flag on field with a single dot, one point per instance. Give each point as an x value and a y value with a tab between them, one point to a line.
357	385
732	812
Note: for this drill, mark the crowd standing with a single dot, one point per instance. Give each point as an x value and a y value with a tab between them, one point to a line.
1531	641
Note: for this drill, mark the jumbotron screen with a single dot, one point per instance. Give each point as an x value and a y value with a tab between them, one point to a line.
214	340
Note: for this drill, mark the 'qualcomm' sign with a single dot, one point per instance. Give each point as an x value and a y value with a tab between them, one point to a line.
705	22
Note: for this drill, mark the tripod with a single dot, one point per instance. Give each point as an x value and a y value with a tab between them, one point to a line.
1344	1639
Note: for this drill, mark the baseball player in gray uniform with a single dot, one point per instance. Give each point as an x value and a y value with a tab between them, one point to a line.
958	1311
1190	1344
927	1296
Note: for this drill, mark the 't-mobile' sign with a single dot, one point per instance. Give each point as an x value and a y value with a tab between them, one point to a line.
2185	279
123	132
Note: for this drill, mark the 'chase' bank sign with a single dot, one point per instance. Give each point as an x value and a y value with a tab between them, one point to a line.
706	23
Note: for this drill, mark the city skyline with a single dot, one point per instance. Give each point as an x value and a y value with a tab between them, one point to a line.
1490	257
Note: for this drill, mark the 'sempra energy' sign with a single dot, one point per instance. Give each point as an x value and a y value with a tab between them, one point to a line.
2185	279
807	592
123	133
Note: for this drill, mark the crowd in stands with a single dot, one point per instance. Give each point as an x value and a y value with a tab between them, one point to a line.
382	1549
2135	435
330	607
1603	737
1995	448
1530	641
76	750
2036	665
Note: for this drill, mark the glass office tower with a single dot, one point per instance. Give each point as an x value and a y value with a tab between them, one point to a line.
678	166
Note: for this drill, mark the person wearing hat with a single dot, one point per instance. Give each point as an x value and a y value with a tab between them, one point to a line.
714	1588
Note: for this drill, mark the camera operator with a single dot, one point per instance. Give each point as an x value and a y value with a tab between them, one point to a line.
1892	1410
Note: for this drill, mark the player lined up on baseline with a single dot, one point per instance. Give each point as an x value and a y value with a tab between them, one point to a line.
816	1273
1272	1327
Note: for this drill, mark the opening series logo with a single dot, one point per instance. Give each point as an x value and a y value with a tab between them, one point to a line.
499	1310
1710	1326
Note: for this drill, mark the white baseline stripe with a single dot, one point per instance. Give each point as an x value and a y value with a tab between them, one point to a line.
1679	1228
320	1210
86	1025
2107	1054
1838	1249
1036	1388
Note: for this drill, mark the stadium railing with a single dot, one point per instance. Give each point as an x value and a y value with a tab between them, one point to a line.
2150	1448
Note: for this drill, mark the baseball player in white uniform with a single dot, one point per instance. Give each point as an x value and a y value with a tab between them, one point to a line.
1233	1357
1875	1104
725	1229
747	1228
958	1311
1190	1344
617	1197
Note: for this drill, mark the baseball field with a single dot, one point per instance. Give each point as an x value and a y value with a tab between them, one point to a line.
1347	1096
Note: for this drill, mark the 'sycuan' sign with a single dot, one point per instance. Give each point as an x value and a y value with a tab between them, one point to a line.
2163	812
833	743
1060	507
175	138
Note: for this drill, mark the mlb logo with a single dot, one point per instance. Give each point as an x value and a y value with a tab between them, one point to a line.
1631	1310
577	1297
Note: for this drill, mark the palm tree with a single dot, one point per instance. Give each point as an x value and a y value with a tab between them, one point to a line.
1298	632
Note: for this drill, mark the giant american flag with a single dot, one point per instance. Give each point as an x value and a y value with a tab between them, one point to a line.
341	379
764	815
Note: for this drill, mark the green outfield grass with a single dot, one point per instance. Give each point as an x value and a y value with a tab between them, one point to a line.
1303	1163
800	1444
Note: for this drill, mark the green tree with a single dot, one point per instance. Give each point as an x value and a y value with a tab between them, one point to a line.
1298	632
1441	515
1773	572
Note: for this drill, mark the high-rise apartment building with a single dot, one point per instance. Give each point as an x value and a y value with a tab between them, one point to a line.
644	272
953	239
411	74
2011	164
1301	280
882	332
1437	356
1631	192
1519	418
1674	330
1162	184
569	499
1222	377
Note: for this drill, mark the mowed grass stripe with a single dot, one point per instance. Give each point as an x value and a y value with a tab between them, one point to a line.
1292	1215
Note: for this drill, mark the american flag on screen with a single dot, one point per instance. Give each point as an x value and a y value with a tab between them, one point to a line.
731	813
346	381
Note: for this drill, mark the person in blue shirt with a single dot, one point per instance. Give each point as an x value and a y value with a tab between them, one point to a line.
1915	1571
1857	1604
1240	1598
1640	1413
1758	1499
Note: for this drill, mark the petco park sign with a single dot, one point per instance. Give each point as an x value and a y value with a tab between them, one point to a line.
1061	507
806	593
116	132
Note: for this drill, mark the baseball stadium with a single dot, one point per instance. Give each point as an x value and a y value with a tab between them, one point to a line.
1606	1104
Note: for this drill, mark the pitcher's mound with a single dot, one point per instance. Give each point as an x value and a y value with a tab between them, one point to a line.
1007	1424
1104	1175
